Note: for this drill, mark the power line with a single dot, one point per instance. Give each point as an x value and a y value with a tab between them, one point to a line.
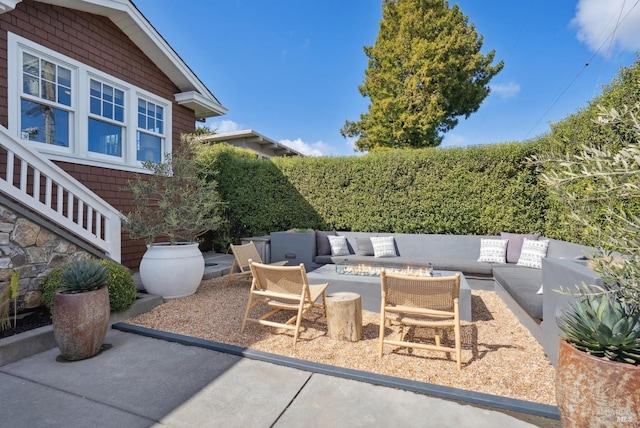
555	101
611	40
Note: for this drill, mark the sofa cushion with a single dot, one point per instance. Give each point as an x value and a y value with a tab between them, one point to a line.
338	245
522	284
514	247
323	248
383	246
364	247
533	252
493	250
327	258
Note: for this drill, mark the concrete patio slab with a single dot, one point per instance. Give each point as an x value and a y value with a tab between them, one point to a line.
249	394
142	376
329	401
26	403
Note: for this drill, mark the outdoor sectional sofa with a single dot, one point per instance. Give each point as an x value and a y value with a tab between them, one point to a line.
517	285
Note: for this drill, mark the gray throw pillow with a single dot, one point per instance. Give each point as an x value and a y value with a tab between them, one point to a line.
514	247
323	247
364	247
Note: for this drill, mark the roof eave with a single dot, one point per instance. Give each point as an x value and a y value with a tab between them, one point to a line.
125	15
202	106
251	136
8	5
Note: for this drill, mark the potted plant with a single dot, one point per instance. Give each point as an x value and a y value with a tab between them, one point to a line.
173	206
598	371
81	310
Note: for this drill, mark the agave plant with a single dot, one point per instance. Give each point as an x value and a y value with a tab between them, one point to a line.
83	276
603	326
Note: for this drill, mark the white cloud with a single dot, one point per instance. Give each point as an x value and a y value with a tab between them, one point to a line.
224	126
505	90
318	148
596	22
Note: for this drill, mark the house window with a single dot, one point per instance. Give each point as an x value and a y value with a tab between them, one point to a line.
106	119
73	112
45	101
150	131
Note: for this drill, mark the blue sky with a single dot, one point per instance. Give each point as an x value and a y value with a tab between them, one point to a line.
290	69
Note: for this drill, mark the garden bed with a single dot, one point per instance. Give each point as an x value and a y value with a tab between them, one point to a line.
29	320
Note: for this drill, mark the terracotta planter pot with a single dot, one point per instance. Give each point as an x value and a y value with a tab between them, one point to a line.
595	392
80	323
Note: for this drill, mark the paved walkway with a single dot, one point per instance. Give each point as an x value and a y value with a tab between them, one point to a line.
138	381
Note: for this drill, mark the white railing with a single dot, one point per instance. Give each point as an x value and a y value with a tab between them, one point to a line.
39	184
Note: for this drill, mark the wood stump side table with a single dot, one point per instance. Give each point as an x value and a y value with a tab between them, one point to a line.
344	316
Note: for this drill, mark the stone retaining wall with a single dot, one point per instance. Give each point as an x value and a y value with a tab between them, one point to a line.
32	251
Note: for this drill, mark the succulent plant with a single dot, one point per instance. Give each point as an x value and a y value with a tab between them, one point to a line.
83	276
602	326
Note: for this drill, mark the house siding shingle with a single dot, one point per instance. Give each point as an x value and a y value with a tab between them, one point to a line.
96	41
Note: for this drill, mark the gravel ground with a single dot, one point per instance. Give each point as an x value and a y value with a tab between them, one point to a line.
499	355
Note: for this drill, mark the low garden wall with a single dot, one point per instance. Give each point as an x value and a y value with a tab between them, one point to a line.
31	251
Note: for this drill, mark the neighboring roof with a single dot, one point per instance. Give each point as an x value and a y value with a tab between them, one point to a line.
252	140
194	94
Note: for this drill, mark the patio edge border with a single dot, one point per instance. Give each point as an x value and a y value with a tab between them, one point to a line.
460	395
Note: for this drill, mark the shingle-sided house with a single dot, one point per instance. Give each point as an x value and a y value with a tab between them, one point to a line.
91	87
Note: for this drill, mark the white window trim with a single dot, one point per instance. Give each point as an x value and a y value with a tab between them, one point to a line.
78	152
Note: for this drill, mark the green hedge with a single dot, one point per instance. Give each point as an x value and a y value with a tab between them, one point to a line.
259	198
583	128
474	190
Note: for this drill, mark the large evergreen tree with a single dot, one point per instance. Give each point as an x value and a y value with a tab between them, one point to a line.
425	71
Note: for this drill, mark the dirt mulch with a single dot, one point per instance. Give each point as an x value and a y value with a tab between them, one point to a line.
499	355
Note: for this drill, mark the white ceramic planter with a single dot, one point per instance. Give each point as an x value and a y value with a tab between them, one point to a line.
172	271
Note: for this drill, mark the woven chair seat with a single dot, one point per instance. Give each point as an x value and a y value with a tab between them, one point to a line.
420	302
282	288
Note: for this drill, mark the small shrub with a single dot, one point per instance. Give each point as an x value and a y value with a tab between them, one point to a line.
122	288
50	287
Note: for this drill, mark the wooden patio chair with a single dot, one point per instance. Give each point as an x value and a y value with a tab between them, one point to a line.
282	288
241	256
420	302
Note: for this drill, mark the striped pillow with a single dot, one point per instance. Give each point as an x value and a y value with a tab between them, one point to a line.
493	250
383	246
533	252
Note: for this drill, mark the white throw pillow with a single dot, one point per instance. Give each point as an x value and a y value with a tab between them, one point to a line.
493	250
532	253
383	246
339	245
540	290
